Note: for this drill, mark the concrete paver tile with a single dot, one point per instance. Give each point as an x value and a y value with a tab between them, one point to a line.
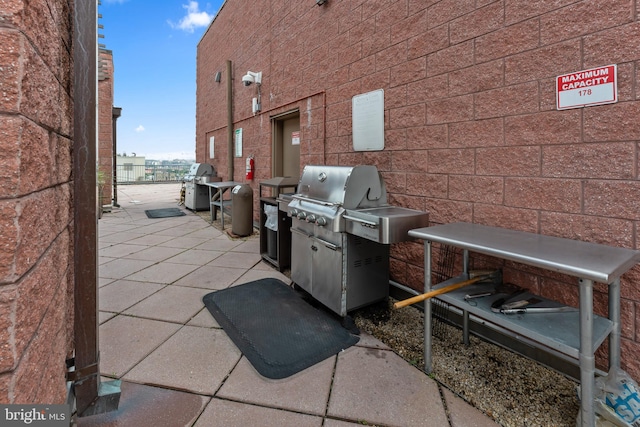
208	232
170	304
367	340
149	240
204	319
104	259
106	227
184	242
464	415
122	267
163	272
209	277
121	237
222	243
178	231
222	413
195	257
122	294
306	391
103	281
250	246
121	250
264	266
237	260
125	341
103	316
194	359
379	387
142	405
328	422
156	253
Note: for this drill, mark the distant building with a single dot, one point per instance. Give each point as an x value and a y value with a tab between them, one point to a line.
130	168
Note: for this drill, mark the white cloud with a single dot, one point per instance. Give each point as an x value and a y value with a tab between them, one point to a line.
193	19
140	128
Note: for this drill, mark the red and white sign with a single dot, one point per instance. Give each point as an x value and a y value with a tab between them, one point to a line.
595	86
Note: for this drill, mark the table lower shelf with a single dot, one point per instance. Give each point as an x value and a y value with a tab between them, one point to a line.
219	206
559	332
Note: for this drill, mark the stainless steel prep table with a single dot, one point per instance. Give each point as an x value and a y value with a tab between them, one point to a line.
588	262
220	203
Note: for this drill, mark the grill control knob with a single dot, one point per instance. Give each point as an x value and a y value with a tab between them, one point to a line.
302	215
311	218
294	212
321	221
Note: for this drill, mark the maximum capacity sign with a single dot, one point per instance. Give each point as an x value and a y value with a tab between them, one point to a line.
584	88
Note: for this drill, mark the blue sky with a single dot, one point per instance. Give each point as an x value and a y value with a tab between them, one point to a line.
154	54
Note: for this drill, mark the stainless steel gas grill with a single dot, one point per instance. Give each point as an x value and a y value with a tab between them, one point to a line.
341	230
196	192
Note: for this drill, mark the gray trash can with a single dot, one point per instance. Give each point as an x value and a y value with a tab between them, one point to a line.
242	210
271	225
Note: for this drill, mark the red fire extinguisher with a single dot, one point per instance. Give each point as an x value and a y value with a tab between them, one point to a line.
251	166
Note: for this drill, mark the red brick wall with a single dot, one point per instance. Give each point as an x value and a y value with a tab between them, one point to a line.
471	127
36	247
105	125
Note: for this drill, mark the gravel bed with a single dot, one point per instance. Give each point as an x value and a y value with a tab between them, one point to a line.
509	388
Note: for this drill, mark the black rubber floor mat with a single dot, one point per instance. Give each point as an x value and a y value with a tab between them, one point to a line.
278	332
164	213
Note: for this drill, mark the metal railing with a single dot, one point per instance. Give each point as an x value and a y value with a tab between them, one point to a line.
139	174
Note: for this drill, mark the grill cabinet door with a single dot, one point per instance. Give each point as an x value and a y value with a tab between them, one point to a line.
327	274
301	259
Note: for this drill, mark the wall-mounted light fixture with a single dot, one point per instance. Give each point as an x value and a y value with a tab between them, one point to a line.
321	2
247	80
218	77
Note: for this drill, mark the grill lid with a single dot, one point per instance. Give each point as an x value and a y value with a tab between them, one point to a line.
201	169
352	187
198	170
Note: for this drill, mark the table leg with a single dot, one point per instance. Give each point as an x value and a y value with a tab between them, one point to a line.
221	191
212	209
465	262
465	327
427	307
465	313
614	316
586	357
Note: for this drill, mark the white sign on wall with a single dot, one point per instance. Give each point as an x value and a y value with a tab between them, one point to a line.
367	111
595	86
238	142
211	147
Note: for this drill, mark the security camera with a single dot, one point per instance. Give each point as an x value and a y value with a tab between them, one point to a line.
252	77
247	80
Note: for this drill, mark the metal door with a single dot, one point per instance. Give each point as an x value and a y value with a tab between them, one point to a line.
286	145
